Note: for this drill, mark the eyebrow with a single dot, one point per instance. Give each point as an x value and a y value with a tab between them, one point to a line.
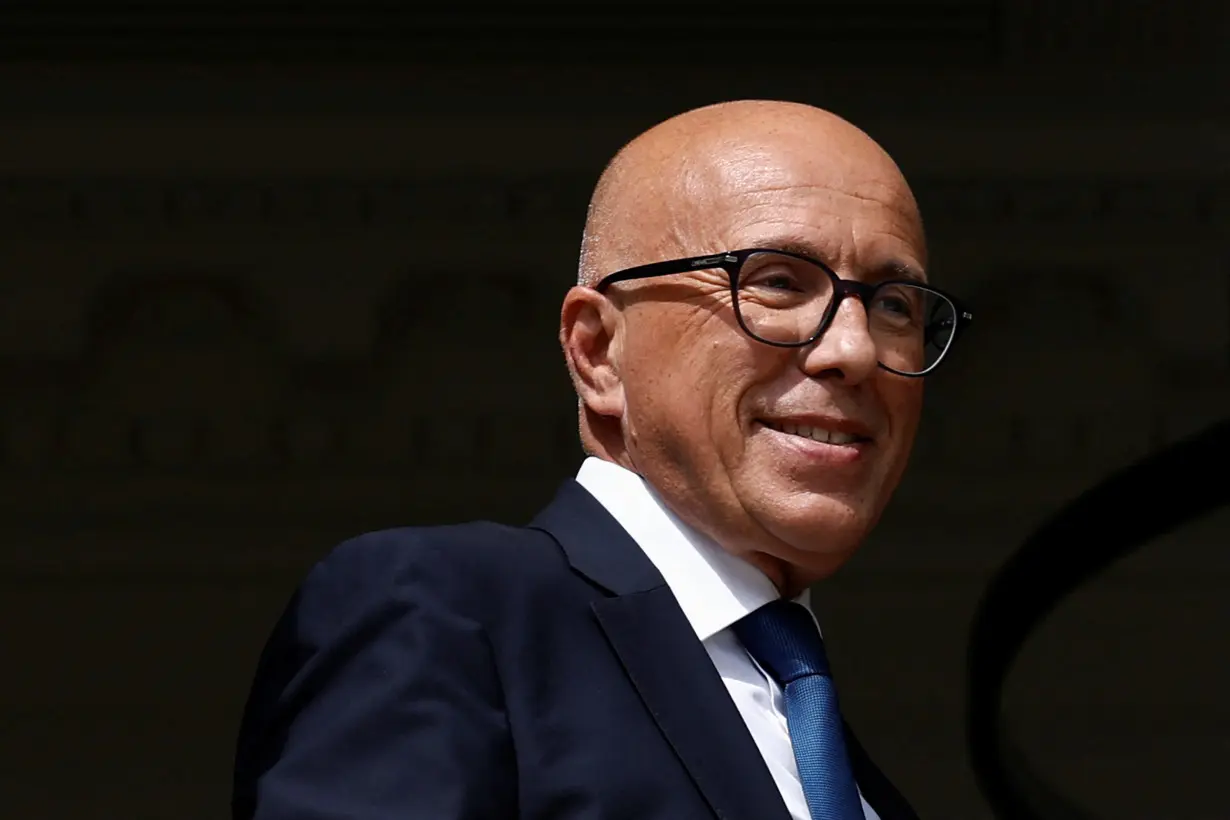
893	269
896	269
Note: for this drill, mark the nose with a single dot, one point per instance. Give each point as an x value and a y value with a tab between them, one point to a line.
846	350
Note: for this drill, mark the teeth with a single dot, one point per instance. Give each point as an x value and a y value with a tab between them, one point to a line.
841	438
814	433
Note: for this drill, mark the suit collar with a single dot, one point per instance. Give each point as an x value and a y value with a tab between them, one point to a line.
877	789
673	673
595	544
664	661
675	678
715	589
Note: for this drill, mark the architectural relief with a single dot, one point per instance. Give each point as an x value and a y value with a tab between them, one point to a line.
1195	204
1070	366
331	30
338	204
187	372
222	351
1106	30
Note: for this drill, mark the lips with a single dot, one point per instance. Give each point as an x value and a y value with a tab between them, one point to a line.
839	432
814	433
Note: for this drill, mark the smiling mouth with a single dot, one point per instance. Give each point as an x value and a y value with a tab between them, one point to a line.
815	433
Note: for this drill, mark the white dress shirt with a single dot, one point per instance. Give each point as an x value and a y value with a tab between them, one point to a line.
714	589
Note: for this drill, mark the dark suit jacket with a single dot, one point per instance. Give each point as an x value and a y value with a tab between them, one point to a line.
486	671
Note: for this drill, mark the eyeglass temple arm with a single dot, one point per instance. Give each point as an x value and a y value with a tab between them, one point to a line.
724	260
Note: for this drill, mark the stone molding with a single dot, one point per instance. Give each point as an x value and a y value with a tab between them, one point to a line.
344	205
334	30
966	32
184	378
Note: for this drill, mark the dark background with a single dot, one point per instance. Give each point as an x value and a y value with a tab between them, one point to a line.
270	277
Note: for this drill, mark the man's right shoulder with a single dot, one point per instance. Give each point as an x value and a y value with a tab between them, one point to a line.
467	563
477	546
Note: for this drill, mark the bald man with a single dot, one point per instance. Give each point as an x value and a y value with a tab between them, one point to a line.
748	340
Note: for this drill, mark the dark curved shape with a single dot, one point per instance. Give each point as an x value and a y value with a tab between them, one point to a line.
1127	510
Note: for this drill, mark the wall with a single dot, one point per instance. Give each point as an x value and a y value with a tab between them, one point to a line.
253	306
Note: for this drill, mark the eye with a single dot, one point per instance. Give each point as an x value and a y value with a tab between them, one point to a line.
782	281
899	305
777	277
894	303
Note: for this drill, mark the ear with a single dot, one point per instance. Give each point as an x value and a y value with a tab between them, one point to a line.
591	333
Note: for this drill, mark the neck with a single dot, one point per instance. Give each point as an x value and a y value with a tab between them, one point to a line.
606	442
790	581
602	439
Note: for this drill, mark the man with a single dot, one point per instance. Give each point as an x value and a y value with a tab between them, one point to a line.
745	340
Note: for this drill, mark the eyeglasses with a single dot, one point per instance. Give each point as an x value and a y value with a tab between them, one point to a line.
787	299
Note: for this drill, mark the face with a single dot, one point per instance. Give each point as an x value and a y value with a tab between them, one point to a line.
749	442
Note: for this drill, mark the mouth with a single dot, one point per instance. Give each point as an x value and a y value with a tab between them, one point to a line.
825	433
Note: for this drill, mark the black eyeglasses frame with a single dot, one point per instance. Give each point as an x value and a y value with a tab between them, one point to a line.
732	263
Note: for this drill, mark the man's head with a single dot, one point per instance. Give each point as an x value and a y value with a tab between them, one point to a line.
671	387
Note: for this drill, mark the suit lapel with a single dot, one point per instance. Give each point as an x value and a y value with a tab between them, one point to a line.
665	662
876	788
676	679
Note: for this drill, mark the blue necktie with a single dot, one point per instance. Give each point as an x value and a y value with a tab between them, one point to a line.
784	640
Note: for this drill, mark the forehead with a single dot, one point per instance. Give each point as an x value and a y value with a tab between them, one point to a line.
842	199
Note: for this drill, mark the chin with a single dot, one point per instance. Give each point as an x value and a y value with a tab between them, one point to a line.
818	533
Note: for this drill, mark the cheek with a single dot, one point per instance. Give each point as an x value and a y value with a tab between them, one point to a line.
659	382
689	403
703	388
722	375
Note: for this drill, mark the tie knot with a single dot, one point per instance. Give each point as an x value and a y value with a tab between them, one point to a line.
783	638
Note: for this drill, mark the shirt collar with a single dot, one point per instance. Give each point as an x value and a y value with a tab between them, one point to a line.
714	588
